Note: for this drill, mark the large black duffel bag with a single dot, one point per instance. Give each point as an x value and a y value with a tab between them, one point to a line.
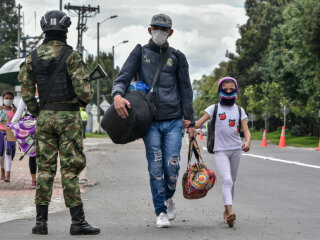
125	130
141	114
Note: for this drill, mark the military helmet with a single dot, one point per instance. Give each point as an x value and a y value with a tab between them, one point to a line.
55	20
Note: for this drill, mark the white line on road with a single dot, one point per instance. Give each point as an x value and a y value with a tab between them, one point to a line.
281	160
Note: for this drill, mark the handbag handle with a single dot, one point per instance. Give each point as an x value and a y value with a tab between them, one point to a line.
194	148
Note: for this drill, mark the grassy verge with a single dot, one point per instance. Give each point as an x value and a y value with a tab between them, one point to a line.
274	138
96	135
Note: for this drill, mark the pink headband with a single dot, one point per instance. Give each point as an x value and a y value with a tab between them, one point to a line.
225	78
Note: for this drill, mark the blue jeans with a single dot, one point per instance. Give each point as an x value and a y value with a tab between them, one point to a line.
163	144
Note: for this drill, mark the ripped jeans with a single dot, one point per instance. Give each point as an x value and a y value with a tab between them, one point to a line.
163	144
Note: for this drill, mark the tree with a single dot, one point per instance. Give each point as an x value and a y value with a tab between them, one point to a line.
311	27
276	63
206	89
8	31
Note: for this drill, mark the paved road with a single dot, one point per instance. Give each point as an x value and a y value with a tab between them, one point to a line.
275	198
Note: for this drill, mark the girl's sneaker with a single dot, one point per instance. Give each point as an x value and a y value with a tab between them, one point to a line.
163	221
34	184
171	209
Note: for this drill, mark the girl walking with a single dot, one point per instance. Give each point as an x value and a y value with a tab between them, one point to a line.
227	141
7	149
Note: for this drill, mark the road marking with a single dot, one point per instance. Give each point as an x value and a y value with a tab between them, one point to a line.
301	148
204	148
281	160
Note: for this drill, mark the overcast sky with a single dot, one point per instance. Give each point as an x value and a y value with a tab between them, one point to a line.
203	29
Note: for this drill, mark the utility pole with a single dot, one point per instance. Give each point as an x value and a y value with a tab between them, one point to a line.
82	12
60	5
24	39
19	30
35	20
113	65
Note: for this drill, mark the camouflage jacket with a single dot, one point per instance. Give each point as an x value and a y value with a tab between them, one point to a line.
77	70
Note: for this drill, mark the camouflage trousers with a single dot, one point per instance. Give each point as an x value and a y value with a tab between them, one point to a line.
59	132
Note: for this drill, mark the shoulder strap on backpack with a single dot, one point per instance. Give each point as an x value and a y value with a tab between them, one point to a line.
239	109
215	111
162	60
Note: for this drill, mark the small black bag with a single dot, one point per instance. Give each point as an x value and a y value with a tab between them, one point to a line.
212	128
141	114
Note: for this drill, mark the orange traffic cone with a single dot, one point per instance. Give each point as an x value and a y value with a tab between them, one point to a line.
318	149
200	137
264	139
282	142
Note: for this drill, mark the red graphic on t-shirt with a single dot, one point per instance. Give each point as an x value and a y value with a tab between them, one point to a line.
238	129
232	122
222	116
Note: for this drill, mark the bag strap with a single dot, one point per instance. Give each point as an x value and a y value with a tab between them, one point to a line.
63	56
239	109
194	148
214	116
162	60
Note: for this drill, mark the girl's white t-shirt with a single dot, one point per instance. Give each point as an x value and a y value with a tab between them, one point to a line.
227	136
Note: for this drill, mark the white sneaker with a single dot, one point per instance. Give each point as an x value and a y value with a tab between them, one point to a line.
171	209
163	221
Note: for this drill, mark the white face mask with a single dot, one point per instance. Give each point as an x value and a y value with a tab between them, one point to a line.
159	37
7	102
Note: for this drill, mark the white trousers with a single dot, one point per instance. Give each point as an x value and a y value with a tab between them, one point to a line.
227	163
5	160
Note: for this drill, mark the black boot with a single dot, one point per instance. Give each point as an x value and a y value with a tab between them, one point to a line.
79	225
41	220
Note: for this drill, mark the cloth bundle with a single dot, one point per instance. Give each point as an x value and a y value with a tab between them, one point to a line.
24	132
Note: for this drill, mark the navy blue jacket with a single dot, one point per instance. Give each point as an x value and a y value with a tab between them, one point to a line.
173	92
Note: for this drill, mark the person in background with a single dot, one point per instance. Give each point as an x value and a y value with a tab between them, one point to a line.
7	149
84	119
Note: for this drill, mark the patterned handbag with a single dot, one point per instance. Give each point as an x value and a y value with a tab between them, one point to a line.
198	179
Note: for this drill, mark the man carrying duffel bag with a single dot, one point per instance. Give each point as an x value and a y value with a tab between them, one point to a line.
172	97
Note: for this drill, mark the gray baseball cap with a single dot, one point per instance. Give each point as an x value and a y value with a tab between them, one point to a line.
161	20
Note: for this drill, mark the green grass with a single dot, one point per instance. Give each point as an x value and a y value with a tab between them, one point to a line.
96	135
274	138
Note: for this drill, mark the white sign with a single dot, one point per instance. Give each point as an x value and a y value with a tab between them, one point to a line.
104	105
252	117
94	110
285	110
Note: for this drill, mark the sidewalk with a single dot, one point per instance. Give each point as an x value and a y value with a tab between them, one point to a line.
17	196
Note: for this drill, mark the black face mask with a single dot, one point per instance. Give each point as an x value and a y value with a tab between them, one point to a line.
228	98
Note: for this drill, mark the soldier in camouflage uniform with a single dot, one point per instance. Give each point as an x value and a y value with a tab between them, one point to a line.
58	119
